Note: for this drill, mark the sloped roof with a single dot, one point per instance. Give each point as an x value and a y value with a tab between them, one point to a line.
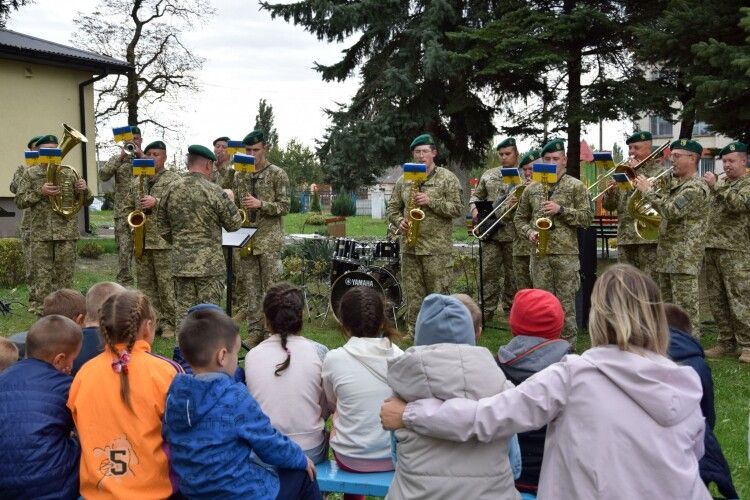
14	45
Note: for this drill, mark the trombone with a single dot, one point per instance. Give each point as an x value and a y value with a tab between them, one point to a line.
505	206
631	172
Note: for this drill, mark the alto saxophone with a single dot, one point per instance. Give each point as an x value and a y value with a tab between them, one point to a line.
415	216
137	222
543	226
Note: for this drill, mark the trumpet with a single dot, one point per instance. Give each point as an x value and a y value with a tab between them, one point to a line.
129	148
503	205
631	172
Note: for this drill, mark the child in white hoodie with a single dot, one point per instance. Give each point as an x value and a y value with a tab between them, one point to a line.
355	379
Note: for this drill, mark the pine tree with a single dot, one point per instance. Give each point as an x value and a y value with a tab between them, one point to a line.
264	121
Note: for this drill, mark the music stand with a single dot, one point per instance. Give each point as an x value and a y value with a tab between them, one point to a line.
229	241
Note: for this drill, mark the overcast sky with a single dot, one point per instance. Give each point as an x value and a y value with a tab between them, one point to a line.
247	56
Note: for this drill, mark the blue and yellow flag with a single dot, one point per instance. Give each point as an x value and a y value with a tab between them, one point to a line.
244	163
144	166
123	134
51	156
544	173
511	175
31	157
603	159
234	147
622	180
415	172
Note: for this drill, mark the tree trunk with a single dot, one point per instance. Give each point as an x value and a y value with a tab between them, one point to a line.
456	166
573	99
686	125
132	98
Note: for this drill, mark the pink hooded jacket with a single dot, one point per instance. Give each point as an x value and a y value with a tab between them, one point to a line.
621	425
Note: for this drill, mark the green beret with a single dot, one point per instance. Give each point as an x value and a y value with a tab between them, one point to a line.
135	130
197	149
528	157
32	141
509	142
733	147
639	137
254	137
221	139
552	146
688	145
46	139
155	145
421	140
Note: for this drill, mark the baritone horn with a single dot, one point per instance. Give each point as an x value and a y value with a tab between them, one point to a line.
68	201
646	219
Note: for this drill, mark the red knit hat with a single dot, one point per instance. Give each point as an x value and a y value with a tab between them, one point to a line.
536	313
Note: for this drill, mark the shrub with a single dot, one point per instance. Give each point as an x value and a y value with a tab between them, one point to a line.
90	250
315	205
12	262
109	201
343	205
315	220
294	205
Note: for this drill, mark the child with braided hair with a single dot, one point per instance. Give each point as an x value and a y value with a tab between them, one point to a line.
283	373
117	400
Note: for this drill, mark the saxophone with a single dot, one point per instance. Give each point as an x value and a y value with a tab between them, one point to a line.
137	222
543	226
415	216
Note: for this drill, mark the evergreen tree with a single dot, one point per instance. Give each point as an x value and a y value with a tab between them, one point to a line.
301	165
617	154
264	122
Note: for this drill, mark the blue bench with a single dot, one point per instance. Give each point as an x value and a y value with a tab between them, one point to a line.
334	480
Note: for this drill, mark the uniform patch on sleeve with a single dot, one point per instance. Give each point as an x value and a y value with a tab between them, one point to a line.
747	203
680	202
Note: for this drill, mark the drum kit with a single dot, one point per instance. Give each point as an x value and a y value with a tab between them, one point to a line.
373	264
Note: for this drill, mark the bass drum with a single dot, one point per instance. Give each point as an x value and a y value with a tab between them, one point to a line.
379	278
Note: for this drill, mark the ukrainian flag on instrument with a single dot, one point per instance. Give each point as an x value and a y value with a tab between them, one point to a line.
244	163
144	166
123	134
511	175
415	172
50	156
234	147
622	180
545	173
603	159
31	157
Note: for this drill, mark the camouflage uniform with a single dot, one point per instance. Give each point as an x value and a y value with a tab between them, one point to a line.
522	261
262	267
223	174
122	171
52	237
727	264
681	241
631	248
558	271
152	271
428	267
497	252
191	216
23	231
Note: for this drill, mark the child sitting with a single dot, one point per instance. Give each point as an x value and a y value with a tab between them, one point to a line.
65	302
38	455
283	373
8	354
536	322
117	401
93	344
445	363
476	314
213	426
355	380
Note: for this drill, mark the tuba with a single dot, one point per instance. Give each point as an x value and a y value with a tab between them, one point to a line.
646	219
68	201
416	216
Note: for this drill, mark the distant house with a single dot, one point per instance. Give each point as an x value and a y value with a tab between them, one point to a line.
387	181
43	85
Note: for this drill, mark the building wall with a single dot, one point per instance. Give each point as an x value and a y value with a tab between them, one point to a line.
37	99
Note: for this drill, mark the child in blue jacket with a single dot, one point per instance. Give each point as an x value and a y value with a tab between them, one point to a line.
215	428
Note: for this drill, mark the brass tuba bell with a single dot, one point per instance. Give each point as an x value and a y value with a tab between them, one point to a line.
68	201
647	219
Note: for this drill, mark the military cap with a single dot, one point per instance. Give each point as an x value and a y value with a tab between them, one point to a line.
32	141
507	143
46	139
223	138
421	140
639	137
733	147
197	149
135	130
688	145
553	145
155	145
529	156
254	137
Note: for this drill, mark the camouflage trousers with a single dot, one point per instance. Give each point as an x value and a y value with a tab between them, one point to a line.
154	278
124	242
34	300
728	284
497	276
641	256
189	291
52	266
422	275
682	289
259	272
239	284
559	274
522	271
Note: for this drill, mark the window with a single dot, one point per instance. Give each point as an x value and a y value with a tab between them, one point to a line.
701	128
660	127
706	165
